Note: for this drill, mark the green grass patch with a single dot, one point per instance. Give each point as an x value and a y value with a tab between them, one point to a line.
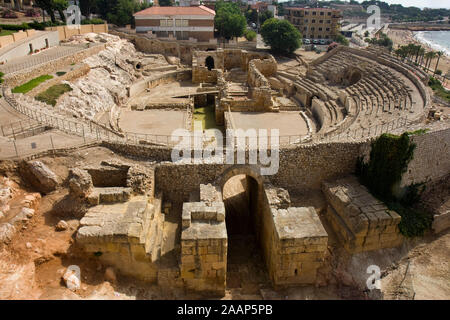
6	32
207	116
30	85
52	94
60	73
439	89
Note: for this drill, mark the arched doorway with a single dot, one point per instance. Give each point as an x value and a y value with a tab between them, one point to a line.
209	62
241	194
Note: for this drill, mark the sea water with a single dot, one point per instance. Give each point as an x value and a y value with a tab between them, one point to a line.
438	40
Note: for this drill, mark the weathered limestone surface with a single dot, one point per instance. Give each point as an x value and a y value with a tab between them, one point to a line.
204	247
80	183
209	193
299	246
128	235
40	176
361	222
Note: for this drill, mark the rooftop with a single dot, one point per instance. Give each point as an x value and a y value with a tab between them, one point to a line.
194	10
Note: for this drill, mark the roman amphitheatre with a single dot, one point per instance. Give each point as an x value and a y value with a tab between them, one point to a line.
89	180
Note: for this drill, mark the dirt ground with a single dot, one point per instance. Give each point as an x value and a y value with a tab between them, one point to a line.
287	122
33	262
156	122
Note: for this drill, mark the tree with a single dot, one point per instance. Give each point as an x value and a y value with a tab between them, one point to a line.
342	40
86	6
166	3
281	35
61	6
439	55
229	20
251	15
119	12
264	15
48	6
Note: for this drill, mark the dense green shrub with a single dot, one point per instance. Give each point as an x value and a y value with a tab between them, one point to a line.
92	21
389	158
250	35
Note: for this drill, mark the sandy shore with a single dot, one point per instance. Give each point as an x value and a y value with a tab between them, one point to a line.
404	37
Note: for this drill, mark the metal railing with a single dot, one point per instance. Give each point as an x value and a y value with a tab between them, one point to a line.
90	131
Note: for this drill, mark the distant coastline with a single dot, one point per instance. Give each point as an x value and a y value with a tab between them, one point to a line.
419	27
437	40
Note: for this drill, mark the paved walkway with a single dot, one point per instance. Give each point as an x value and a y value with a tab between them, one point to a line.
39	58
52	139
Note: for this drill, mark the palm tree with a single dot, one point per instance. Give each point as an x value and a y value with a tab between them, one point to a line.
422	54
430	56
439	55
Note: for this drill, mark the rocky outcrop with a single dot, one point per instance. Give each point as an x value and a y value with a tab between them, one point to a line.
139	179
80	183
39	176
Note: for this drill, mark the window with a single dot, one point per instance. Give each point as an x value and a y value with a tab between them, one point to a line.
321	13
305	28
328	29
313	21
314	13
306	20
320	29
321	21
329	13
306	12
328	21
312	28
319	36
166	23
181	23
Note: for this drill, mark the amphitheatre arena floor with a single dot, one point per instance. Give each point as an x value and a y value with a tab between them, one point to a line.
288	122
156	121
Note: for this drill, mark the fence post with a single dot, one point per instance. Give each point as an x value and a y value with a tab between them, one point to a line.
51	140
15	148
84	137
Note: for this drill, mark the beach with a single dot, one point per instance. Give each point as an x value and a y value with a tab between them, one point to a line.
404	37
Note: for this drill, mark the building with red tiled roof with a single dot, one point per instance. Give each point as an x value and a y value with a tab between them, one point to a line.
181	23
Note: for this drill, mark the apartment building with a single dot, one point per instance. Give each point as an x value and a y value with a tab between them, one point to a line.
181	23
315	23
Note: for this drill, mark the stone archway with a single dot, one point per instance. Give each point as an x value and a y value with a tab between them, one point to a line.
242	190
209	63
